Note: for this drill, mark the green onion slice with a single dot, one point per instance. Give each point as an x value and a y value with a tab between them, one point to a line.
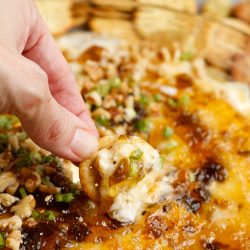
167	132
36	215
115	82
48	215
66	197
172	103
102	121
103	89
134	168
2	240
186	56
157	97
143	126
144	100
136	155
23	192
172	144
184	100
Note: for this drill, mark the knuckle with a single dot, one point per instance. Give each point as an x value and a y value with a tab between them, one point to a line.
33	97
56	129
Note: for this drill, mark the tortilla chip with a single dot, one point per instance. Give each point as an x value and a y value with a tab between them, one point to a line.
217	8
58	15
115	28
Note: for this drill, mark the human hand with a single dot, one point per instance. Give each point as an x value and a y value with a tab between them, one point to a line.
37	85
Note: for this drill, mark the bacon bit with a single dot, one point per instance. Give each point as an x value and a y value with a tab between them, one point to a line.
211	171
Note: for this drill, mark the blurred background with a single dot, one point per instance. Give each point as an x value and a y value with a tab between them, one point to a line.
218	30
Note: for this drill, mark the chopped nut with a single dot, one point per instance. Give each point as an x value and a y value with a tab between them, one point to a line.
94	97
4	159
13	141
120	130
118	118
32	179
130	102
49	190
48	198
14	240
49	170
12	189
11	223
109	102
30	222
130	114
101	112
24	207
95	73
7	200
7	179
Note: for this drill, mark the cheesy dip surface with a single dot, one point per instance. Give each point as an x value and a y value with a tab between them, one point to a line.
172	121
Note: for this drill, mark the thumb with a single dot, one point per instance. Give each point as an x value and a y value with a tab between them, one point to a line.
59	131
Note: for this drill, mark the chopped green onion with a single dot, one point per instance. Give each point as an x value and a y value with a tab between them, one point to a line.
48	159
115	82
136	155
46	181
20	162
35	157
186	56
66	197
40	170
134	168
48	215
22	136
51	159
23	158
23	152
36	215
144	100
157	97
5	122
184	100
2	240
103	121
103	89
143	126
172	103
167	132
171	145
23	192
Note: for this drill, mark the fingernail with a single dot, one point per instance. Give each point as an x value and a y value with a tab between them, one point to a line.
83	144
89	122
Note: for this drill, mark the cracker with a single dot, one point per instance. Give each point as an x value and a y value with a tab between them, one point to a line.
217	8
242	11
87	171
58	15
115	28
181	5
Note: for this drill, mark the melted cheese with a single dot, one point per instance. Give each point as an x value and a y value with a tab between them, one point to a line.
128	203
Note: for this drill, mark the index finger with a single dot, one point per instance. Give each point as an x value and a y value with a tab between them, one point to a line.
41	48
